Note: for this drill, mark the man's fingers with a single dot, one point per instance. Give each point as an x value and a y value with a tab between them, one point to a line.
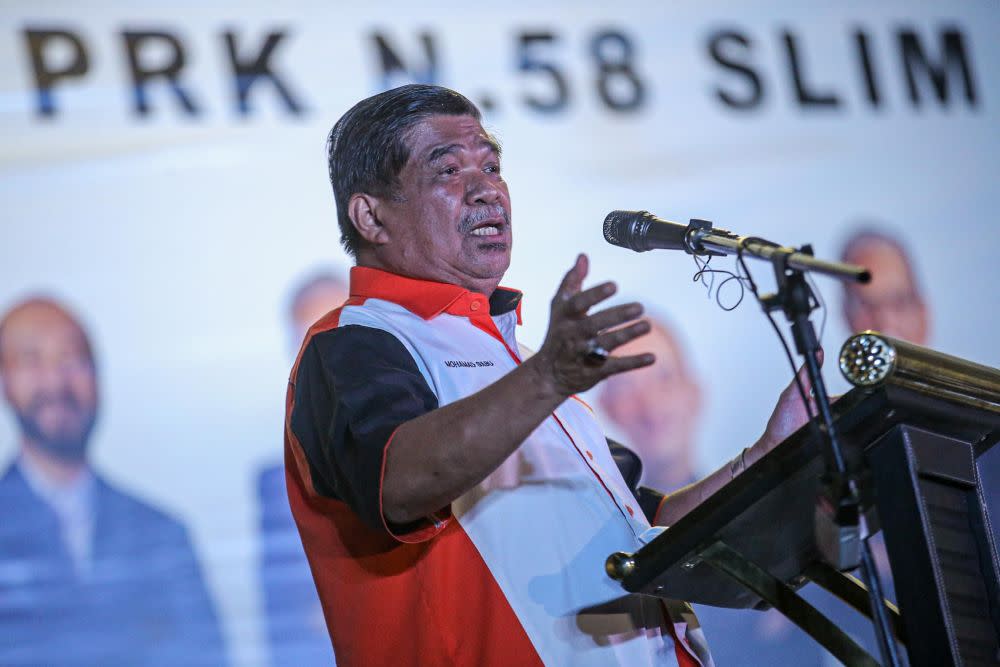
581	302
612	317
618	337
803	374
573	280
615	365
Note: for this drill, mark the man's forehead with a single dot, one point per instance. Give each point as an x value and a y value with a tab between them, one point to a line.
35	323
438	135
887	263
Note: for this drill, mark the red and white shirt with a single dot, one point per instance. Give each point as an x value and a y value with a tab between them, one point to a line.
513	572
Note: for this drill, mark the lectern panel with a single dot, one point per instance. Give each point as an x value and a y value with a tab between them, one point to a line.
927	482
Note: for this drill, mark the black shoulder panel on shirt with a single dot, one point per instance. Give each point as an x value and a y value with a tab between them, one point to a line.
504	300
354	386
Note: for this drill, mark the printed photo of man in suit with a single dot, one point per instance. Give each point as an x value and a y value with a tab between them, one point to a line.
296	631
89	574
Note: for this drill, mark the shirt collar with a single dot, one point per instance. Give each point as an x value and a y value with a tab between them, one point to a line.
65	499
427	298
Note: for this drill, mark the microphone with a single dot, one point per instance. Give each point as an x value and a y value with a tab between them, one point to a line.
641	231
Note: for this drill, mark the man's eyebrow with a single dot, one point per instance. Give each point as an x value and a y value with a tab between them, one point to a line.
441	151
490	140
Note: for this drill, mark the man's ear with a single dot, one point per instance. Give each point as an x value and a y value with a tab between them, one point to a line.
363	210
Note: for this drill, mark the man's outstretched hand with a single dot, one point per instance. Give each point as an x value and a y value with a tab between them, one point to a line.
562	361
424	472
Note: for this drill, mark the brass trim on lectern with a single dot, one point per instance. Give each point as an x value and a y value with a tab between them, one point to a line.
872	359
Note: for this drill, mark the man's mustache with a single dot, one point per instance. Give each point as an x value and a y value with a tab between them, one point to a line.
482	214
63	399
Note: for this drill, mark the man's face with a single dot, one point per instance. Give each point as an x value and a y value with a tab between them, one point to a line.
658	406
890	302
451	219
49	380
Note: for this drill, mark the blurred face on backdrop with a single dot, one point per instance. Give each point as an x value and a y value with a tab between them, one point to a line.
658	408
312	301
49	379
891	303
449	219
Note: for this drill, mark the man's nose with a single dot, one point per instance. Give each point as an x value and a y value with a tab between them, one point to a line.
51	378
481	189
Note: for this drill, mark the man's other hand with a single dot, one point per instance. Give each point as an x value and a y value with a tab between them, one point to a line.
562	361
789	413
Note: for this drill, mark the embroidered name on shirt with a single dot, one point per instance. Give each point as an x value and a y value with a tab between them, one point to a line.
467	364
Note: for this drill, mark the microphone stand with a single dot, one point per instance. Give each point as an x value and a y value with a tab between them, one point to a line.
841	535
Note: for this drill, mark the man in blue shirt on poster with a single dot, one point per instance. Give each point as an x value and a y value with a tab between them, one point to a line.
89	574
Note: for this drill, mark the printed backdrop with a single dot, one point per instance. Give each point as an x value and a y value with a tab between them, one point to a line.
162	172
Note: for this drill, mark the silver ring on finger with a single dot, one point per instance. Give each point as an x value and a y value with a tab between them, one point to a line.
596	354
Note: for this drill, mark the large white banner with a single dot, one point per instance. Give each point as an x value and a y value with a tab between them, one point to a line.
163	175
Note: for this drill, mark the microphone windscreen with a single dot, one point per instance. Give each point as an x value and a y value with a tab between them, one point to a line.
619	227
641	231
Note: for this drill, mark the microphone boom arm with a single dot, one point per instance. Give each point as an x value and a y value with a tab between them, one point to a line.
702	239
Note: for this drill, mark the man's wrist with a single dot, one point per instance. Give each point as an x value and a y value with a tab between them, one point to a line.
542	380
738	464
758	449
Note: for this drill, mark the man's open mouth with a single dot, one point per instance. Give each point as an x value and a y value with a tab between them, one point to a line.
486	230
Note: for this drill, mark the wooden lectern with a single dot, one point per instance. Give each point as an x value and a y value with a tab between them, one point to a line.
912	428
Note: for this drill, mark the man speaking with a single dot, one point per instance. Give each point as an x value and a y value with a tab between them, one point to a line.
455	501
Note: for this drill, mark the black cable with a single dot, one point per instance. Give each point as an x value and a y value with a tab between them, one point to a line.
699	275
741	263
704	269
886	641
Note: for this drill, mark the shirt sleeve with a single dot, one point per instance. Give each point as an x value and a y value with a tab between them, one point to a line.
354	387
